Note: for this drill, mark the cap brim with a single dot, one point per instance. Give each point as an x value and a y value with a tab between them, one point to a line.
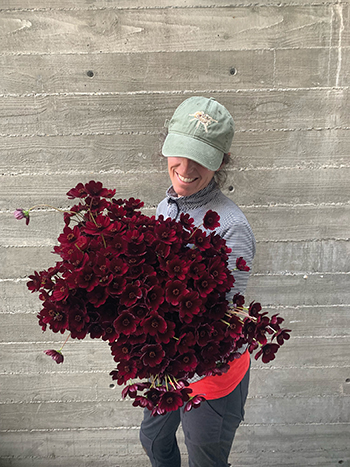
179	145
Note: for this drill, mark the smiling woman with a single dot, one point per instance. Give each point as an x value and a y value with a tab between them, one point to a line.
197	147
187	176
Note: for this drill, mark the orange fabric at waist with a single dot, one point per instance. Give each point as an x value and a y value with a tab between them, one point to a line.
214	387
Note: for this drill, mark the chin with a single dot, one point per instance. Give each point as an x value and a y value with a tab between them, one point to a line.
184	191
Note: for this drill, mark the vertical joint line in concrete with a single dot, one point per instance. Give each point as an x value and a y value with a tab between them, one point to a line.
274	68
330	54
339	9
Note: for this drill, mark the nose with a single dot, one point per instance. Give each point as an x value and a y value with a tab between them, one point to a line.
187	164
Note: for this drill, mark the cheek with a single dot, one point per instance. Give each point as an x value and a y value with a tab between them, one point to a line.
207	175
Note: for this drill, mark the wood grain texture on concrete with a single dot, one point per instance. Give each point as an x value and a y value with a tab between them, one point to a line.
85	89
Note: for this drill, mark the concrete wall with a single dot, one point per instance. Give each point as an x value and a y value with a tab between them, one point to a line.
85	88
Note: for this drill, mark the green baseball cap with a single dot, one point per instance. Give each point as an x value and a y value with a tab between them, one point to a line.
201	129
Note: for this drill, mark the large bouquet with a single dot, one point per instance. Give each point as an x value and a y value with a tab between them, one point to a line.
155	290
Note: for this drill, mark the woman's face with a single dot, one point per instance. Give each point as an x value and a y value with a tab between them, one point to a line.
188	177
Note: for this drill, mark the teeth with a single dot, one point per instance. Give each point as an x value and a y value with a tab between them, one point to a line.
186	180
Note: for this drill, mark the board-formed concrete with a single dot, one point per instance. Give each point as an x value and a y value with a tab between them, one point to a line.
85	89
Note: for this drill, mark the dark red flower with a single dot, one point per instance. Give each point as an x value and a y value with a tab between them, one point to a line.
283	335
152	354
45	281
121	351
165	233
235	327
174	291
162	249
241	264
211	220
205	284
217	270
131	294
116	211
77	319
177	268
55	355
238	300
201	240
110	334
126	369
254	309
95	189
131	389
54	316
219	245
86	278
186	221
118	267
155	297
196	269
125	324
218	331
169	333
61	290
170	401
268	352
203	334
190	305
118	245
96	330
34	285
275	322
153	394
141	401
186	342
154	325
98	226
117	286
187	361
194	403
132	204
78	192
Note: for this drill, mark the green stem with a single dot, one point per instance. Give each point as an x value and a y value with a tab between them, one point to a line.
195	230
64	343
47	206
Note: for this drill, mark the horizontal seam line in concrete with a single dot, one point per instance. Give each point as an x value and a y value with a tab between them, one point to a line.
46	343
83	401
275	4
266	307
149	133
301	167
106	371
287	307
162	51
304	274
168	52
304	241
175	92
117	428
245	206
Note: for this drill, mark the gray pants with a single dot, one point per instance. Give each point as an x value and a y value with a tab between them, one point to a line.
209	431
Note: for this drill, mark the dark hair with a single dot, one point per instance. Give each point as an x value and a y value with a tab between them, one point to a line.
220	175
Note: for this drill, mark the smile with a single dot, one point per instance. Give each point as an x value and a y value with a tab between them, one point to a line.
184	179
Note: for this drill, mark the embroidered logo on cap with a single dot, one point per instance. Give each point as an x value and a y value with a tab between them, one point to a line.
203	119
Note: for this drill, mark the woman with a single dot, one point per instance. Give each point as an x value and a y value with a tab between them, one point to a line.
199	136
